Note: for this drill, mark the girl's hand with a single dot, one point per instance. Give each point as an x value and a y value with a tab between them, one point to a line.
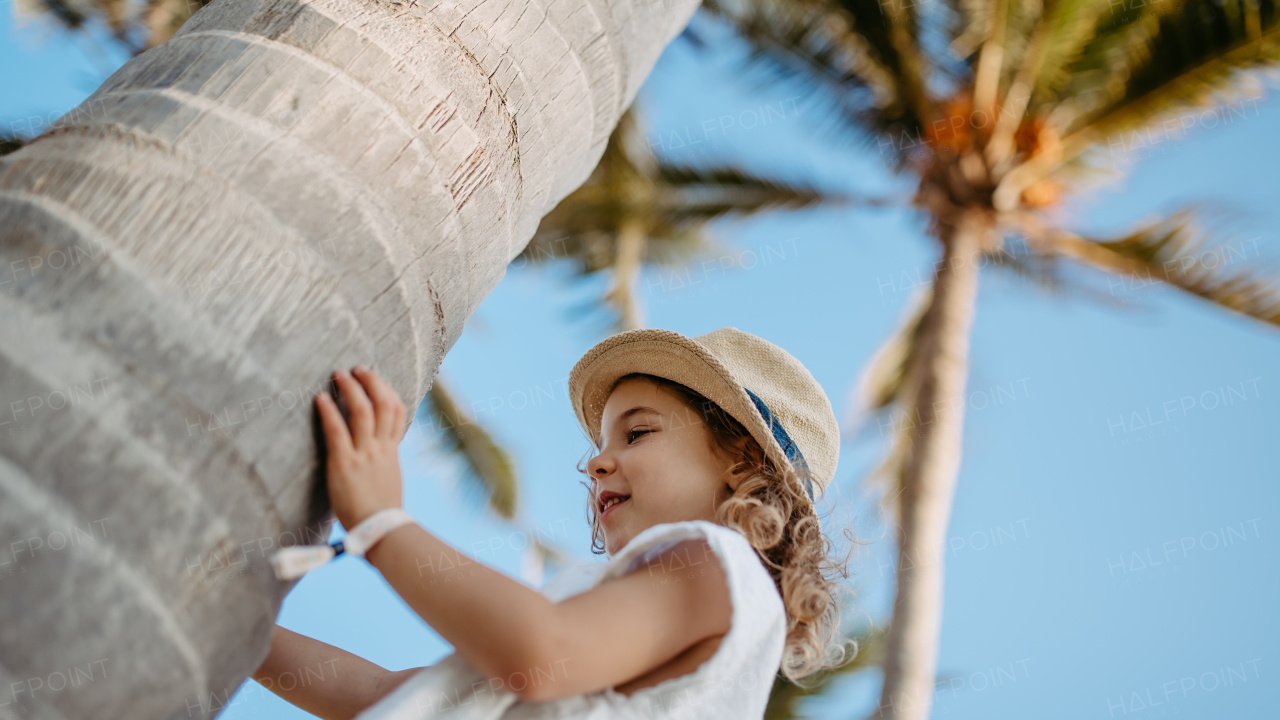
363	466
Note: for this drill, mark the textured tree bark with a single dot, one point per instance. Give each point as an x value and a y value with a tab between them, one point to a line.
284	188
929	472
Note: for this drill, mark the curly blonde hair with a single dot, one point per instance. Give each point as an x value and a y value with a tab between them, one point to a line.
772	511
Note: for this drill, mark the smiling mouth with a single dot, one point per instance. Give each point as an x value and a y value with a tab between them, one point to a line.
610	508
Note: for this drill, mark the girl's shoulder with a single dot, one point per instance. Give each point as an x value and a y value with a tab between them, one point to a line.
751	587
731	548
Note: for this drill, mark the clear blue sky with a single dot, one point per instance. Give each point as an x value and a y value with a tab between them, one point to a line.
1098	561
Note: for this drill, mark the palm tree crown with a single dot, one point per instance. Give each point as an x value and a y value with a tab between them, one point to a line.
999	109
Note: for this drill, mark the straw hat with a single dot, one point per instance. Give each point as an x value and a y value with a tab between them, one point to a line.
758	383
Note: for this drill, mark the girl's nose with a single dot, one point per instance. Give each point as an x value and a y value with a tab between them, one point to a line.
600	466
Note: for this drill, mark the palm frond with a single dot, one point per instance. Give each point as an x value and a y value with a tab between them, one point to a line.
1025	17
71	15
785	697
637	209
1069	26
163	18
538	555
886	394
968	26
858	62
549	553
988	64
898	42
689	194
1037	39
631	247
1150	61
883	379
681	198
1136	80
1039	269
489	467
120	17
11	142
137	25
1046	271
1208	265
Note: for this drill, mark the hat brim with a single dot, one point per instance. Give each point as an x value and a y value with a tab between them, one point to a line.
670	355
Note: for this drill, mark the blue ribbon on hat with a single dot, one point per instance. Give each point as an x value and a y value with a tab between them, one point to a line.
784	440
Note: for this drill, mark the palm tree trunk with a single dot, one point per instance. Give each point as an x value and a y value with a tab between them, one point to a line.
284	188
929	472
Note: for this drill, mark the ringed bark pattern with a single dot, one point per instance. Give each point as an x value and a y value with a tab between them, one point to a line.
284	188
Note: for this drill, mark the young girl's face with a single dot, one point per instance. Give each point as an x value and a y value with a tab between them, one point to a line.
657	456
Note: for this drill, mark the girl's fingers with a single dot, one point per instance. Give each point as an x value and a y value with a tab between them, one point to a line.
336	436
386	404
362	423
402	427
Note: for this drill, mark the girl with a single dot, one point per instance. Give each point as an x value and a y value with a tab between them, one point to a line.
710	452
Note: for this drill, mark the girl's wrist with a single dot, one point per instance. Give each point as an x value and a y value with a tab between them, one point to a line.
358	517
373	555
373	528
293	562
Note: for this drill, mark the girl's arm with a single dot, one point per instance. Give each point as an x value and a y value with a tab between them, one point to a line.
540	650
521	640
326	681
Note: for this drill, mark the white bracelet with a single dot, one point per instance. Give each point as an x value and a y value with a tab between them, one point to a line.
293	562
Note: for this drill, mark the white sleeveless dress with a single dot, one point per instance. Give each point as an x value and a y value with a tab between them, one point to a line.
734	682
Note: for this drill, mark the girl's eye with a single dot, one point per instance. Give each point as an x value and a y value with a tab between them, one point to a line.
631	436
